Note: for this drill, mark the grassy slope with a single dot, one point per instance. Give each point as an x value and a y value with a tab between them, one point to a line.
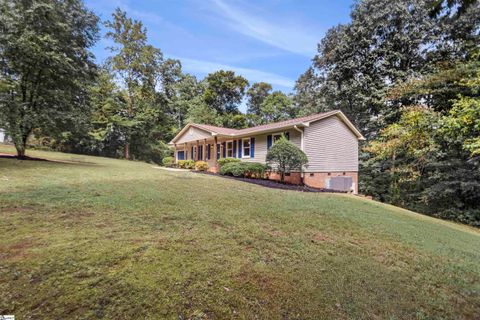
123	240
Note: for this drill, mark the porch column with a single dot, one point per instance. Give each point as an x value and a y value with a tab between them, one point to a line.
215	150
204	151
198	147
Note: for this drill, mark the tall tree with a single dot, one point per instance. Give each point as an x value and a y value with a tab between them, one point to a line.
276	107
256	94
137	65
45	65
224	91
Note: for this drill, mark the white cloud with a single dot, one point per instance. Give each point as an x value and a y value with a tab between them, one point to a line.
293	38
253	75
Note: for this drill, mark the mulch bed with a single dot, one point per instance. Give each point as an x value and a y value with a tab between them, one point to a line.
274	184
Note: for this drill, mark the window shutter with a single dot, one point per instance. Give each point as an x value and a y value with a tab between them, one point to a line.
269	141
234	148
240	148
287	135
208	151
191	157
252	147
200	153
224	145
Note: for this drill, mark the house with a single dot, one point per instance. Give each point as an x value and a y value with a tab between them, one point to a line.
329	140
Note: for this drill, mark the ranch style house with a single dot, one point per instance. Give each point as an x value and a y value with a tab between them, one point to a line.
329	140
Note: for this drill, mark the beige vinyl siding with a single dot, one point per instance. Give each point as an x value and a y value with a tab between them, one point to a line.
193	134
330	146
260	154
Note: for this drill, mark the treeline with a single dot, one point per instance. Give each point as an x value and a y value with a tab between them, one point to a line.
408	74
54	95
405	72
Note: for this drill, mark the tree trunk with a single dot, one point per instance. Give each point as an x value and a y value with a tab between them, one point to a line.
282	176
20	151
21	144
127	151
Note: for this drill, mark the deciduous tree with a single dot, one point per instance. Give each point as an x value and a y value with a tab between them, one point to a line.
46	66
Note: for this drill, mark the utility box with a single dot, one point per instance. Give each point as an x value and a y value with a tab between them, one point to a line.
340	183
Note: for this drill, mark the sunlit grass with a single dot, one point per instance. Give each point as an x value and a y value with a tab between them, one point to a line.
104	238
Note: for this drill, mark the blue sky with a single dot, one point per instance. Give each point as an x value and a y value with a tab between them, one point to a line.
271	40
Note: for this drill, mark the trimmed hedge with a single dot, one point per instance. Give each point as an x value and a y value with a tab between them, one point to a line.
244	169
168	161
201	166
186	164
224	161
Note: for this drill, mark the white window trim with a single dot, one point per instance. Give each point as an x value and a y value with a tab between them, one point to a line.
226	149
249	148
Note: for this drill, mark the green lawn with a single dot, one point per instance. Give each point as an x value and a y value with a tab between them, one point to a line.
113	239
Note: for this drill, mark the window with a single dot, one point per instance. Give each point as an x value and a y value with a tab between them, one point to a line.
246	148
194	154
277	136
230	149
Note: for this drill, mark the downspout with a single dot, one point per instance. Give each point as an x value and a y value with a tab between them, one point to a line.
302	174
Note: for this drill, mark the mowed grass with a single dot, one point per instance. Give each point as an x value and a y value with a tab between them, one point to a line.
113	239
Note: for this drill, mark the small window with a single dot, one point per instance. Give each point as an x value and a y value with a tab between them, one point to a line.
344	173
276	137
312	174
246	148
230	149
329	174
287	174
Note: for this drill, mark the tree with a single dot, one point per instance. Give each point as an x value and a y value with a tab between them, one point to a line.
256	94
137	65
276	107
224	91
385	43
285	157
308	97
45	66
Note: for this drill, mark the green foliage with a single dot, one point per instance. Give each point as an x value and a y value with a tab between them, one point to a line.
224	91
276	107
223	161
45	67
201	166
284	157
186	164
256	95
243	169
168	161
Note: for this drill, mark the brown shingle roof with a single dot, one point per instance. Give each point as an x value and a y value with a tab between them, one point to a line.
271	126
265	127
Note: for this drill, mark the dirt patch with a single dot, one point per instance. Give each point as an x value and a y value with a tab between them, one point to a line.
18	250
320	237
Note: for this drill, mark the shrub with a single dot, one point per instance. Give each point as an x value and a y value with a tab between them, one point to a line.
243	169
186	164
284	157
224	161
168	161
201	166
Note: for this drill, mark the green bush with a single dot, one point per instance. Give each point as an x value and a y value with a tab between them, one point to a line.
224	161
285	157
168	161
201	166
186	164
243	169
